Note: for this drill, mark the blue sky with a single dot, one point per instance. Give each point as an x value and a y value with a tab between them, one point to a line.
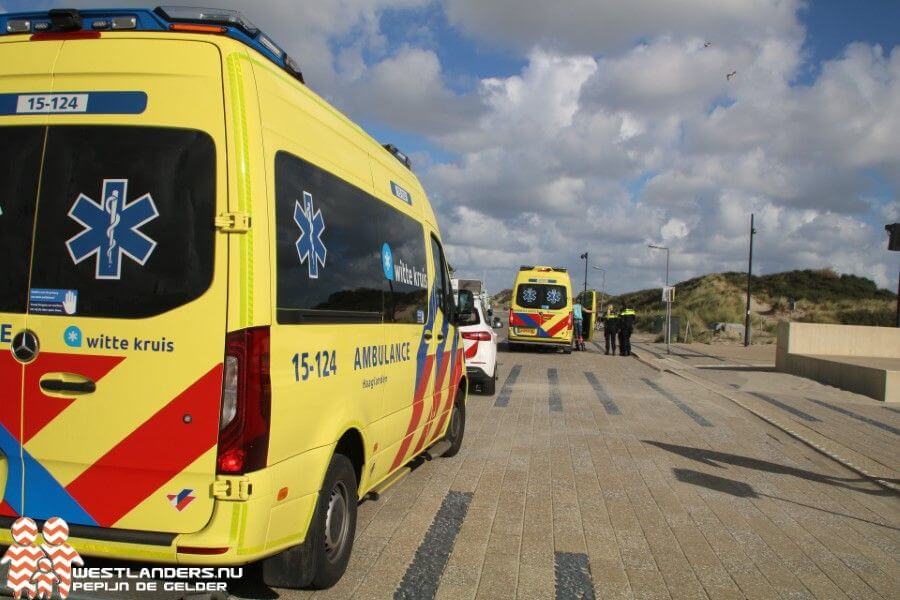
541	130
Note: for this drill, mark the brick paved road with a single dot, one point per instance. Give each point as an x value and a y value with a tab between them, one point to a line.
596	476
592	476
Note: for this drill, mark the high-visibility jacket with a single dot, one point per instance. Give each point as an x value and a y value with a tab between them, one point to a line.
627	317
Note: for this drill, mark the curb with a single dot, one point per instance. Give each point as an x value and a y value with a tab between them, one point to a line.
788	429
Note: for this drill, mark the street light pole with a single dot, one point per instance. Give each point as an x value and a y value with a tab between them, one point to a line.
749	275
668	302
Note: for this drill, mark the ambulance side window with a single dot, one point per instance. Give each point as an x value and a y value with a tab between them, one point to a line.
407	294
329	246
442	279
20	161
343	255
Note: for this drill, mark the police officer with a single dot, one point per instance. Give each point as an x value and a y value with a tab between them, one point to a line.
610	328
626	326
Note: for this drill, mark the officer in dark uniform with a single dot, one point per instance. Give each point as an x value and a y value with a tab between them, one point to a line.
610	328
626	326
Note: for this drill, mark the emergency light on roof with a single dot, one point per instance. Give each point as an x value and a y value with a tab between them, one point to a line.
69	22
403	158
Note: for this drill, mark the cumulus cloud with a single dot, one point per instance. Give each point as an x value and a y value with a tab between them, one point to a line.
650	143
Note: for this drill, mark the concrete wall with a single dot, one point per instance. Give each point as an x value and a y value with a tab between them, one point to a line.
830	354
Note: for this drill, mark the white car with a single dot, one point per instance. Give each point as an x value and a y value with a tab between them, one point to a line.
480	342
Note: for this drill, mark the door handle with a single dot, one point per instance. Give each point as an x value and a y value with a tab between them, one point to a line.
427	335
67	383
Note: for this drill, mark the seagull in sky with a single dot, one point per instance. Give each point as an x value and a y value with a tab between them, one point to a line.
729	76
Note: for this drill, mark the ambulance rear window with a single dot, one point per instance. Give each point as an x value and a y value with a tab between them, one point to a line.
20	163
125	220
343	255
541	296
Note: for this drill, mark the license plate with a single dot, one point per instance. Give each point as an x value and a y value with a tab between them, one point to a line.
526	331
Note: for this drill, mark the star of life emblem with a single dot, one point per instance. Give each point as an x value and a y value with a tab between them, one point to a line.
529	295
310	247
112	229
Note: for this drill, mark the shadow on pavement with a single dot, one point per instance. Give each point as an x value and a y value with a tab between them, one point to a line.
714	458
740	489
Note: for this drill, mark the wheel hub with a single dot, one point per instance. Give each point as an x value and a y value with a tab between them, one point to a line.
336	522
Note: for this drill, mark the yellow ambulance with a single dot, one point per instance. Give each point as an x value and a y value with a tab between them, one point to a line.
226	315
540	313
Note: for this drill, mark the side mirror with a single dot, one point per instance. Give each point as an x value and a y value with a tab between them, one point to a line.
465	301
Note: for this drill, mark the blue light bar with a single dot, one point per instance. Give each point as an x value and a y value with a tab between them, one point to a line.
160	19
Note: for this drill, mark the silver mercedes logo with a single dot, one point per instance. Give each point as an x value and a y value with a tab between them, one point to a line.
25	346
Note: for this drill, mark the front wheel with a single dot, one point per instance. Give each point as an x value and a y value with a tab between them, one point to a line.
322	559
456	429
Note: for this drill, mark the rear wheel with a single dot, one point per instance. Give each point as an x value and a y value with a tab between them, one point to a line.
457	427
322	559
489	387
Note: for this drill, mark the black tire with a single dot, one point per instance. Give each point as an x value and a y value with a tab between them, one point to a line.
567	350
320	561
456	429
489	387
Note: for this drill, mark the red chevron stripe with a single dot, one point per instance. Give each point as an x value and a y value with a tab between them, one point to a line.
565	322
11	409
418	402
5	509
122	478
446	359
455	379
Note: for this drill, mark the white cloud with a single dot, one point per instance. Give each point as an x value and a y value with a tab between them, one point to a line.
653	144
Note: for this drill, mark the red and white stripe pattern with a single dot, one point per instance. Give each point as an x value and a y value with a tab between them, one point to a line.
23	557
44	579
56	535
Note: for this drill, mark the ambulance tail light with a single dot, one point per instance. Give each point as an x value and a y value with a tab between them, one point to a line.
478	336
246	403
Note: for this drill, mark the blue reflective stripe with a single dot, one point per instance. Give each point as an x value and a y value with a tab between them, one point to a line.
44	496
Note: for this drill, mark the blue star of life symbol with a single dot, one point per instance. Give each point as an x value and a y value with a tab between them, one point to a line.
111	229
310	248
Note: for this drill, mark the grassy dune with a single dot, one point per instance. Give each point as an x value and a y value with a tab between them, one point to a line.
821	296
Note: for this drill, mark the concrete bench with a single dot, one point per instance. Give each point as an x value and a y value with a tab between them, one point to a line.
865	360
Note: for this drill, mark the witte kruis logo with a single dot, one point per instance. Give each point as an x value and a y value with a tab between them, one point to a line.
35	570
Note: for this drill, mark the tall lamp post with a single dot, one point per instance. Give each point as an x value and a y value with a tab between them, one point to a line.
749	275
585	257
602	287
668	303
894	245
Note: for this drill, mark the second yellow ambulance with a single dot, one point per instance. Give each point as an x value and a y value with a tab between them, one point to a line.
540	313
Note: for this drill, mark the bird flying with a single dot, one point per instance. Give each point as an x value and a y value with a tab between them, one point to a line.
729	76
